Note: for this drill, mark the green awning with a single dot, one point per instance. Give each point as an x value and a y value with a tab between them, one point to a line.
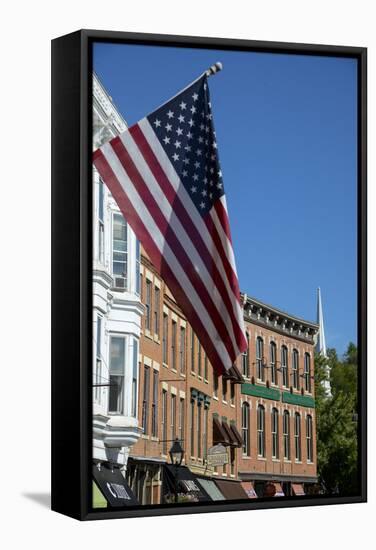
211	488
98	499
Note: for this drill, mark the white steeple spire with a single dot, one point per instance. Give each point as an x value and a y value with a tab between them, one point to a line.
321	342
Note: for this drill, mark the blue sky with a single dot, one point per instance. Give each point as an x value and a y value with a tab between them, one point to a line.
287	137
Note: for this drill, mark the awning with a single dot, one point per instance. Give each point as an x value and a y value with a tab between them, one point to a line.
230	435
234	375
219	434
297	489
113	485
232	490
249	489
211	488
187	482
237	435
278	490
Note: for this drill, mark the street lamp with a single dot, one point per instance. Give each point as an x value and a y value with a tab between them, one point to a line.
176	454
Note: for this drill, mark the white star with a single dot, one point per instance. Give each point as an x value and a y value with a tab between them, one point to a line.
193	189
202	204
200	139
185	173
198	152
183	106
209	116
195	177
204	193
166	140
215	144
220	173
177	144
205	86
191	123
170	114
188	148
186	161
202	114
202	126
193	109
212	156
219	185
168	127
179	131
195	97
181	118
197	164
175	156
206	129
157	123
211	183
189	135
205	180
211	195
212	170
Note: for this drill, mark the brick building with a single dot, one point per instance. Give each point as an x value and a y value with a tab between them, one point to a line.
262	412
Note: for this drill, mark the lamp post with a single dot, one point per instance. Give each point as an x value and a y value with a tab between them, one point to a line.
176	454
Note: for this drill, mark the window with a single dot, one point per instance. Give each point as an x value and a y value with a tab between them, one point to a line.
205	367
192	350
245	429
156	310
154	406
134	377
145	400
199	372
181	421
232	461
295	369
261	431
182	350
298	442
205	433
199	430
173	345
232	393
101	221
165	339
245	360
192	428
173	416
286	435
275	434
117	357
148	305
119	251
164	422
138	267
309	438
260	359
307	372
284	366
215	384
98	363
273	363
224	388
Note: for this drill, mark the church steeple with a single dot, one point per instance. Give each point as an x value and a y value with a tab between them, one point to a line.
321	342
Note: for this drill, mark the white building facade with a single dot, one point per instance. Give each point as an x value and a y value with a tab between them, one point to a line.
117	307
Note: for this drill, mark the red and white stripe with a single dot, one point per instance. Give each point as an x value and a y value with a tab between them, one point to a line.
192	253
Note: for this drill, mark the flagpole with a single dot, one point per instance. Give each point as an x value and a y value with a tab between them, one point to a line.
214	69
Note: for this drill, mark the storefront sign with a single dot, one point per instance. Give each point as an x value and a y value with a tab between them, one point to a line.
217	455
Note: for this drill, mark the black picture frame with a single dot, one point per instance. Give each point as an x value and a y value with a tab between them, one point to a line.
71	269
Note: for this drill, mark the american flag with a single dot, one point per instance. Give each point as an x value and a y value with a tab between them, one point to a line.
165	176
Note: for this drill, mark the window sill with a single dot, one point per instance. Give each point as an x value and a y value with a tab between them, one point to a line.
206	381
156	339
262	458
224	402
215	398
298	462
232	405
246	457
286	461
165	365
174	370
276	460
144	436
147	334
193	373
154	438
199	377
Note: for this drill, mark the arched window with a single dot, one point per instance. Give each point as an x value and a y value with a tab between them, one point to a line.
245	360
261	430
275	434
286	435
245	429
307	372
259	358
273	362
284	366
295	369
309	438
298	440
